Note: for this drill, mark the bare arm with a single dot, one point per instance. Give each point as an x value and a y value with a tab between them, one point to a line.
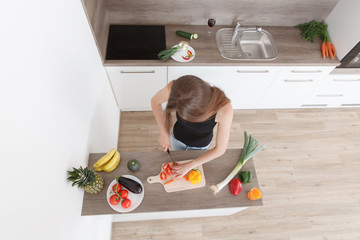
160	97
224	118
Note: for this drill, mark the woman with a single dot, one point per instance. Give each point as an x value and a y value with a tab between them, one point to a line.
199	107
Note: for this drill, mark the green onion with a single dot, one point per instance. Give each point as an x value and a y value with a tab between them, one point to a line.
249	150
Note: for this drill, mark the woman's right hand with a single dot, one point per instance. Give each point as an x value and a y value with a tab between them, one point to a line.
164	141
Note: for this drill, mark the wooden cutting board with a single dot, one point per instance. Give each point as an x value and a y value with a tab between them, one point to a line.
179	184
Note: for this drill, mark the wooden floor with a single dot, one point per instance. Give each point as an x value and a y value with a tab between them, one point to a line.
309	175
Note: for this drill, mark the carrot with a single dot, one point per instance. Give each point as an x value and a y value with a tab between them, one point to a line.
186	177
323	47
326	50
333	49
328	44
169	181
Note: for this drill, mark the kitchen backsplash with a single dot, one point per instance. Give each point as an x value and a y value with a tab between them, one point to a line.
259	12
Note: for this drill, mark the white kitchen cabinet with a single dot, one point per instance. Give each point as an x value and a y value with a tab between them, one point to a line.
337	90
292	85
246	85
133	87
243	85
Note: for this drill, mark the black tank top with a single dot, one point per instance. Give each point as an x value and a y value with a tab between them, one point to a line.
194	134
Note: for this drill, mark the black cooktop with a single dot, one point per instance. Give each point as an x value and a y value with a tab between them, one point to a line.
135	42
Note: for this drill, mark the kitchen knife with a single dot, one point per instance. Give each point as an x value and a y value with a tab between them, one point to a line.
168	151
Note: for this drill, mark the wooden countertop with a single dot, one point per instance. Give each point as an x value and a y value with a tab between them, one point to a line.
292	50
155	197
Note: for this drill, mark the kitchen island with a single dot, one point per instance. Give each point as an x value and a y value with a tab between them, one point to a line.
158	204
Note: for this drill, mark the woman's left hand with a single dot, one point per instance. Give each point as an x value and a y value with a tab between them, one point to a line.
180	169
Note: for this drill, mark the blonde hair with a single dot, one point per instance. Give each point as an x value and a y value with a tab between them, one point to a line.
193	99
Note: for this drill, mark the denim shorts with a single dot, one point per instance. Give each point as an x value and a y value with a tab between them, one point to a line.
177	145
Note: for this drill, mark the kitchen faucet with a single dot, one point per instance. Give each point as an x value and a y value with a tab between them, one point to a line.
236	29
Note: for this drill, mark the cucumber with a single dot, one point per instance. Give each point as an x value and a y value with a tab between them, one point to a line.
187	35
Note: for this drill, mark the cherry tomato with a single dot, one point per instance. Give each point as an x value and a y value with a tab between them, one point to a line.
124	193
114	199
163	175
116	188
126	203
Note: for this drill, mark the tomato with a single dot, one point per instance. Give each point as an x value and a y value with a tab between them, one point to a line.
173	164
163	175
124	194
126	203
116	188
167	169
114	199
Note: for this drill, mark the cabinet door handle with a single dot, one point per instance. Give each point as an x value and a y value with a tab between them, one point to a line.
126	72
346	80
252	71
329	95
306	71
298	80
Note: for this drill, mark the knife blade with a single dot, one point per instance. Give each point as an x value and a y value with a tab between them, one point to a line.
168	151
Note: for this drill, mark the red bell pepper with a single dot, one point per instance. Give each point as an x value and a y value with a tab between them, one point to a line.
235	186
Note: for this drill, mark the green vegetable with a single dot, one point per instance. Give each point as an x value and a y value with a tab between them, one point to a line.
313	29
245	176
133	165
167	53
249	150
187	35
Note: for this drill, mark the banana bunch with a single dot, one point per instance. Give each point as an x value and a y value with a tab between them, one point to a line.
108	162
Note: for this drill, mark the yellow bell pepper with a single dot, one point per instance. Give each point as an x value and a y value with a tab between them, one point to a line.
195	176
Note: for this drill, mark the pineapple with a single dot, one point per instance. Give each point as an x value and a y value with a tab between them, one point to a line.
86	179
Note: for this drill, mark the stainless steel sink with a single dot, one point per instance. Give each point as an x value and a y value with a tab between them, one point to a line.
248	43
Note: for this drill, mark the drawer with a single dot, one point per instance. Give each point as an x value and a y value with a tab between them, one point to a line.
304	74
292	85
133	87
336	91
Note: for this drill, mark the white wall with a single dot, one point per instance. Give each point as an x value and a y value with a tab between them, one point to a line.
343	26
56	106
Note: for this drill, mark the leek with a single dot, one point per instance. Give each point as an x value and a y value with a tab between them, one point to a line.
249	150
167	53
